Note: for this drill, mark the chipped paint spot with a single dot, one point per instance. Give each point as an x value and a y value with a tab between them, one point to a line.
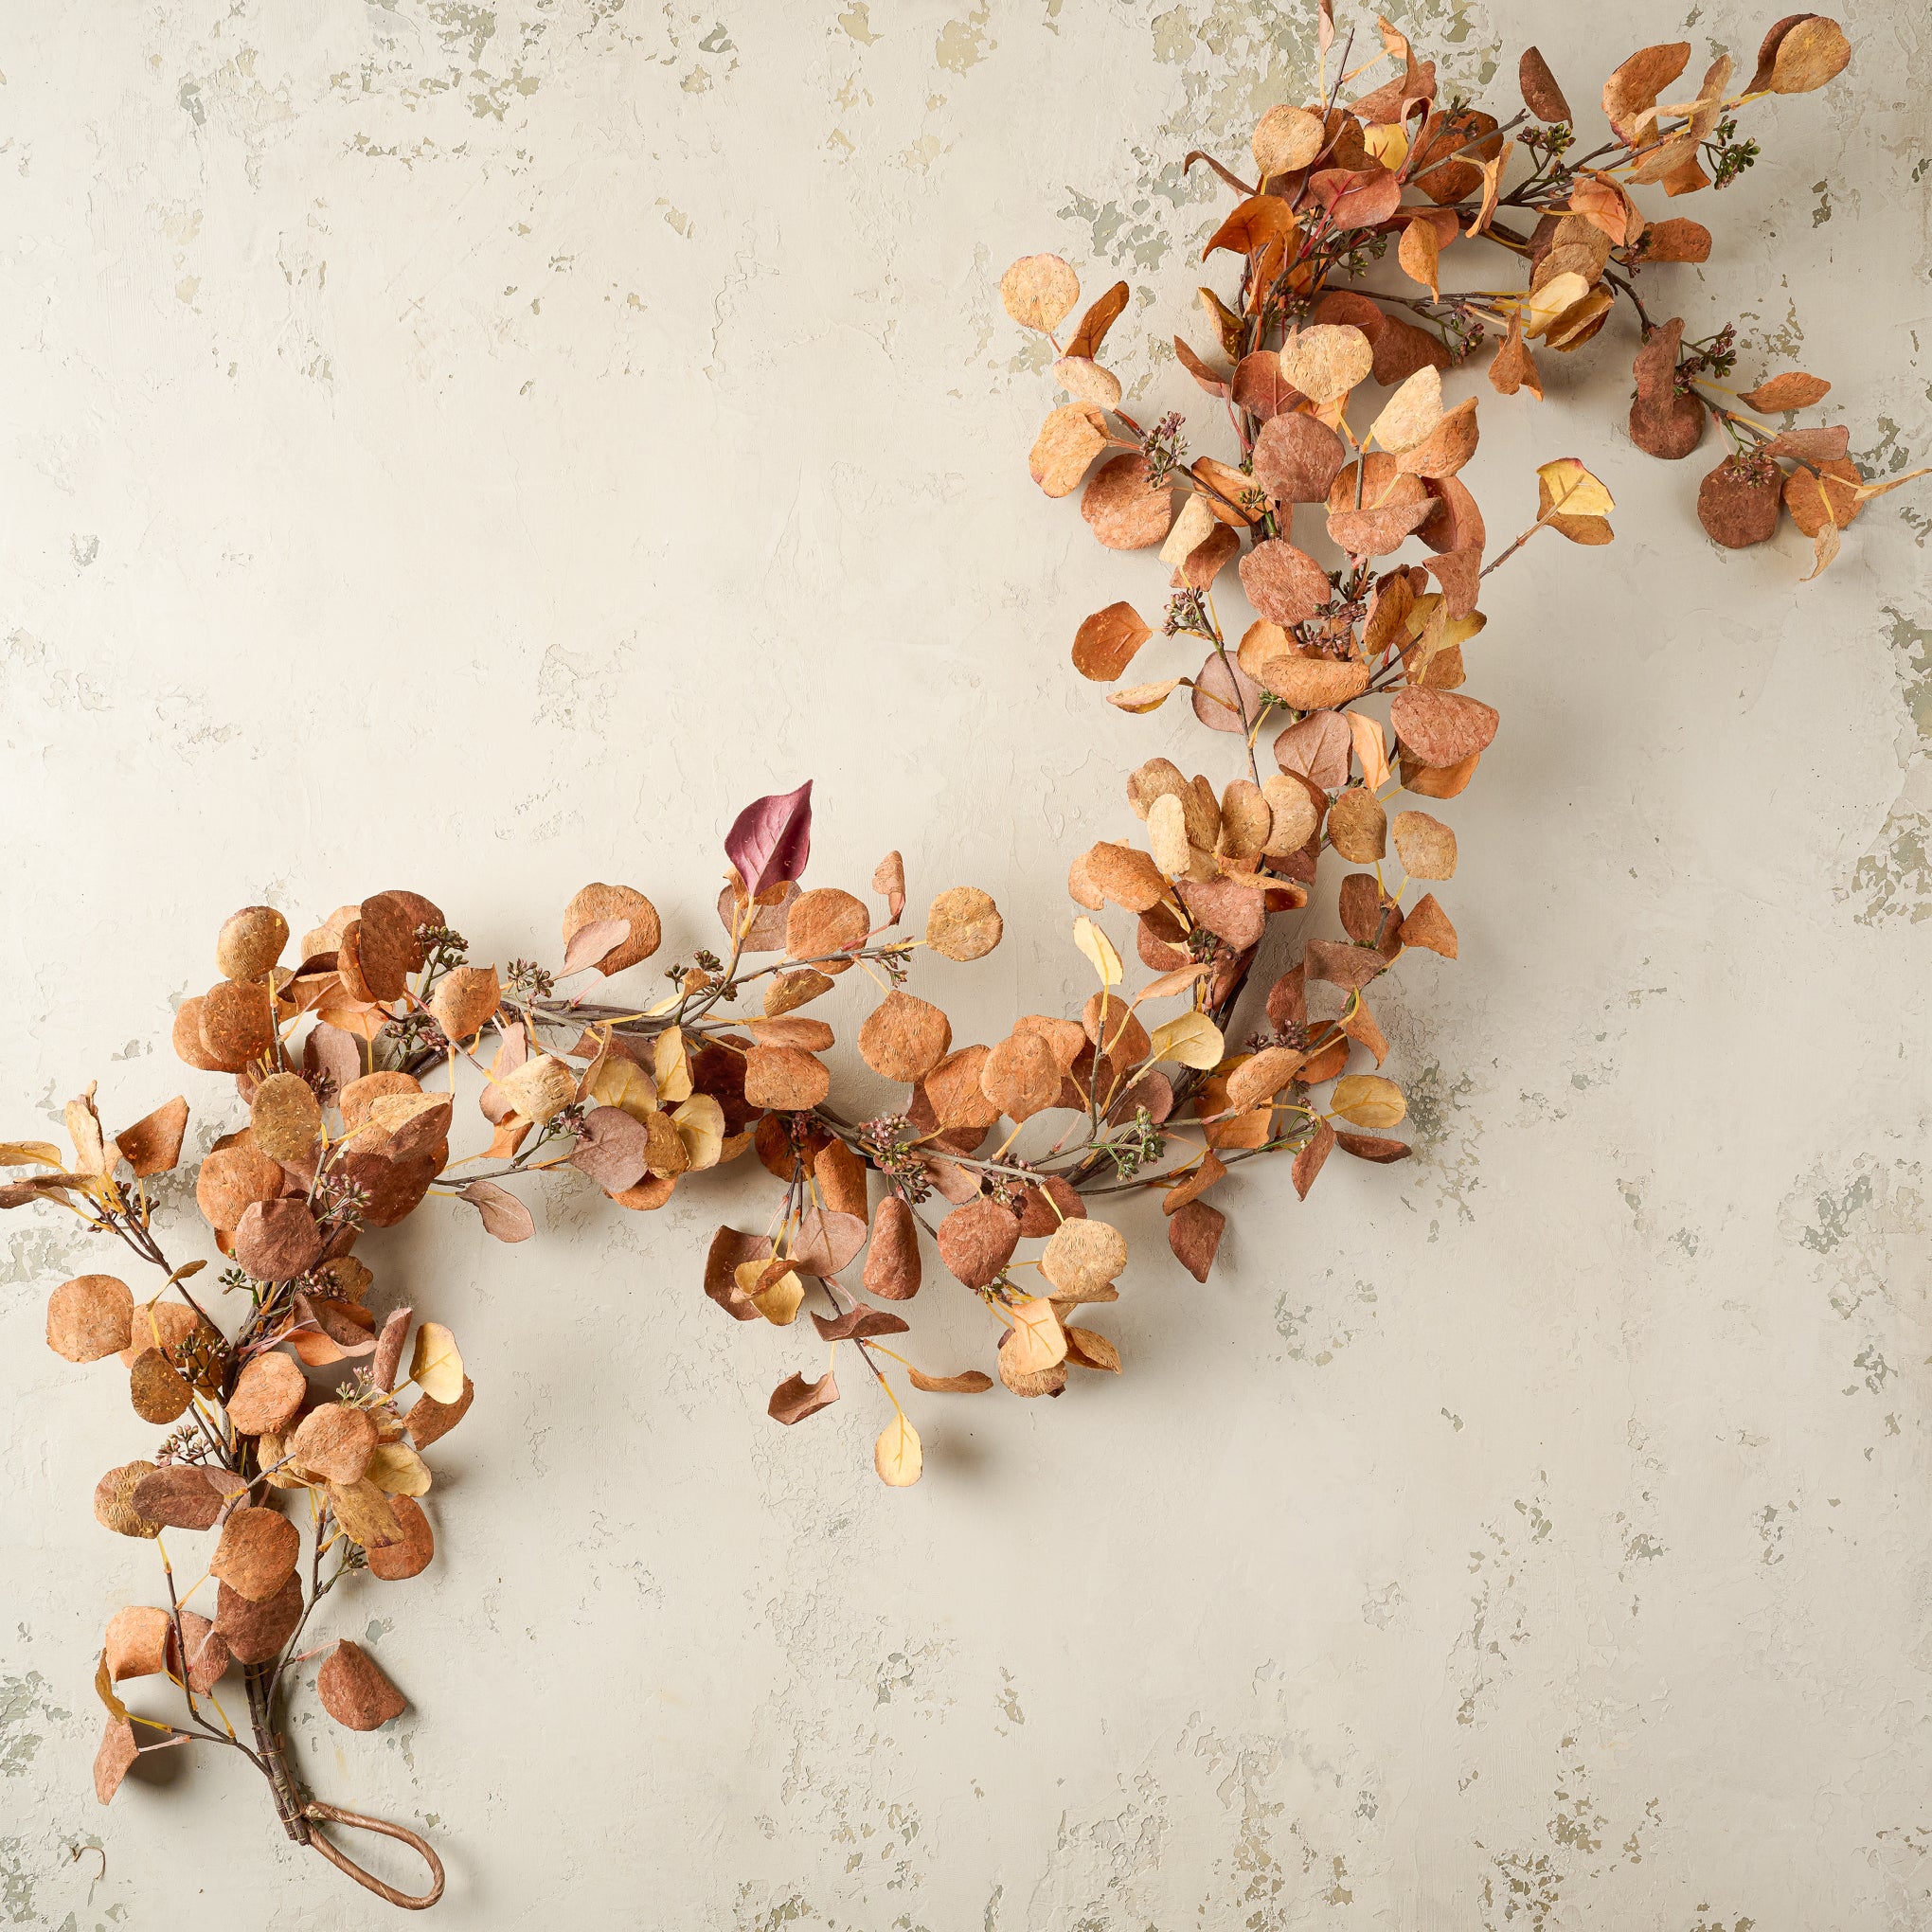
1893	879
857	21
1317	1330
24	1700
962	44
1445	1139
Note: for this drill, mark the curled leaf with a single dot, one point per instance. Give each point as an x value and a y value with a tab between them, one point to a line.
795	1398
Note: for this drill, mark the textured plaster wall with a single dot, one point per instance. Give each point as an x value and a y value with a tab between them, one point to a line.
476	448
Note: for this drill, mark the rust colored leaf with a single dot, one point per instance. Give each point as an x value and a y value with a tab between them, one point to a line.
1260	386
156	1390
1371	1147
113	1506
859	1324
178	1495
1350	967
1286	585
1448	447
727	1254
1107	641
1675	239
1298	459
268	1394
1631	93
1125	876
1310	1159
825	925
1099	317
257	1555
826	1241
1738	501
1064	451
1260	222
208	1656
1088	1348
1460	573
237	1023
1356	197
353	1689
395	1563
256	1631
1426	926
115	1757
903	1038
1226	697
614	1149
1020	1076
1817	501
1318	748
1122	512
1541	94
1513	368
276	1241
1824	447
1194	1235
90	1316
153	1144
429	1419
1202	373
1449	152
335	1442
978	1241
1790	389
232	1179
893	1261
963	923
1441	727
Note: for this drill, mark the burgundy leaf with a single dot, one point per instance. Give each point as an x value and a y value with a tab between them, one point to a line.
771	839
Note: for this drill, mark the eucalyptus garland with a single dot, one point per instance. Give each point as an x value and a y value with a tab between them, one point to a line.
300	1405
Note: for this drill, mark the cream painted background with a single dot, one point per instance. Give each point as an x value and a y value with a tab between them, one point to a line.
477	449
